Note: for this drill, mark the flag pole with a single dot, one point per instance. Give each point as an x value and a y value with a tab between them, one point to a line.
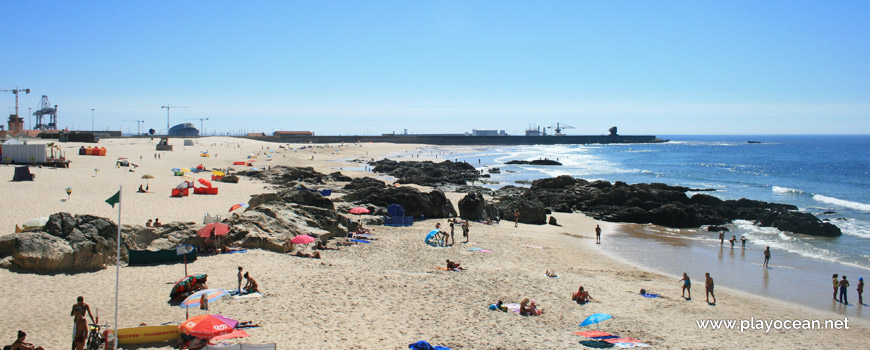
117	266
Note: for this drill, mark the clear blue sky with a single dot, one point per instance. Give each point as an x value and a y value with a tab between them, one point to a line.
370	67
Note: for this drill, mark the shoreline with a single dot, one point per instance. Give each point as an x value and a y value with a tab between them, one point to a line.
387	294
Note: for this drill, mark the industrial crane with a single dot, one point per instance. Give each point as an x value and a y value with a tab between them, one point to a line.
15	91
45	108
558	127
168	107
201	128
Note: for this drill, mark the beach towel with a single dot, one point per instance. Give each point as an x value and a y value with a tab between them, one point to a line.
512	307
235	251
596	344
360	241
554	276
246	296
622	340
424	345
442	268
532	246
651	295
236	333
479	250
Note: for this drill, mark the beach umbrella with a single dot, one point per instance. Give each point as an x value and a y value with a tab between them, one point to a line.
207	326
35	223
205	182
595	318
302	239
431	234
359	210
211	295
185	283
218	228
236	333
237	206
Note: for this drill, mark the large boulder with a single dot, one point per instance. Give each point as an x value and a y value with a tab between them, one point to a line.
531	212
66	244
284	175
365	182
430	205
474	207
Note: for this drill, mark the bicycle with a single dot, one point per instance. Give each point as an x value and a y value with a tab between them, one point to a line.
95	337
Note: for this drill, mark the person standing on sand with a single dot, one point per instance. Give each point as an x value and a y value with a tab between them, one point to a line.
766	256
721	238
452	241
844	284
516	218
861	291
465	230
240	277
836	284
597	234
743	241
733	240
709	286
687	286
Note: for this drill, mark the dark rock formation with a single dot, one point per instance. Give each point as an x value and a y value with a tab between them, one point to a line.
283	175
66	244
427	173
659	204
531	211
338	176
552	221
474	207
717	229
230	179
365	182
431	205
534	162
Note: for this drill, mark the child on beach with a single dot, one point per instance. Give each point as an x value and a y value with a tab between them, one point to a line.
528	308
240	277
766	256
687	286
743	241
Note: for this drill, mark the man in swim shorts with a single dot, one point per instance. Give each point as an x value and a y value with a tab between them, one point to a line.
709	285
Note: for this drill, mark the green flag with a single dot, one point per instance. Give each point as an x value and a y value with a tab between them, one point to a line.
114	199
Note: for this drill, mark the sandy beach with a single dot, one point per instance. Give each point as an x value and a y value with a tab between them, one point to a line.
383	295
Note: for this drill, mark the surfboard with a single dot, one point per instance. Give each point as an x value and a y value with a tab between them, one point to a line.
147	334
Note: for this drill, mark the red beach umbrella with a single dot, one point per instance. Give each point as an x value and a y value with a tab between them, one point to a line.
207	326
302	239
359	210
218	228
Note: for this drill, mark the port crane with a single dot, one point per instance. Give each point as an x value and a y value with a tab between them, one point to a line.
558	127
168	107
201	127
45	108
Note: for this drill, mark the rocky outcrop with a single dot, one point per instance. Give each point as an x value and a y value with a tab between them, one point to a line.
658	204
531	211
474	207
427	173
66	244
338	176
430	205
284	175
534	162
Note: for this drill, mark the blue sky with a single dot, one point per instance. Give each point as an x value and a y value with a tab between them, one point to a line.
371	67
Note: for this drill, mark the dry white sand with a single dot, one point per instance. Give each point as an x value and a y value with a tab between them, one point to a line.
383	295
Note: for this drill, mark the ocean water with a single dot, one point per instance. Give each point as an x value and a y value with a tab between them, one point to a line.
818	174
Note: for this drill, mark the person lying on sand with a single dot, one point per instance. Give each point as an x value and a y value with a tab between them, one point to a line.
452	265
321	245
247	324
315	255
581	296
20	344
551	273
498	307
528	308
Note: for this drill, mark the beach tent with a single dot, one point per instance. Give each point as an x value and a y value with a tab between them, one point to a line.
397	216
122	162
22	173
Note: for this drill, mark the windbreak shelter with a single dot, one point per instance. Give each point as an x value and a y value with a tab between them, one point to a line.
22	153
22	173
397	216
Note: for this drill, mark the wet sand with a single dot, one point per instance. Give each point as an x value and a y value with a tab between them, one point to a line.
789	277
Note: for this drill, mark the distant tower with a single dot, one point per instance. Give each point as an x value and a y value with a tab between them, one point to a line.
612	131
16	124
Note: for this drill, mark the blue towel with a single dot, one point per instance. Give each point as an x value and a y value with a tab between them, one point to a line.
360	241
424	345
604	337
650	295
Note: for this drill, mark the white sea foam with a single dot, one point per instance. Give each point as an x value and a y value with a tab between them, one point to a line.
842	203
853	227
778	189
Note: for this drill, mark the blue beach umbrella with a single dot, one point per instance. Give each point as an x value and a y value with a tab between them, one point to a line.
595	318
431	234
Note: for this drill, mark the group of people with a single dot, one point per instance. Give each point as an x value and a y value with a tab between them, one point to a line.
708	287
733	240
155	223
843	285
446	239
251	285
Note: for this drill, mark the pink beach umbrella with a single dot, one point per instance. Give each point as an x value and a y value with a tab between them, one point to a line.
359	210
302	239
